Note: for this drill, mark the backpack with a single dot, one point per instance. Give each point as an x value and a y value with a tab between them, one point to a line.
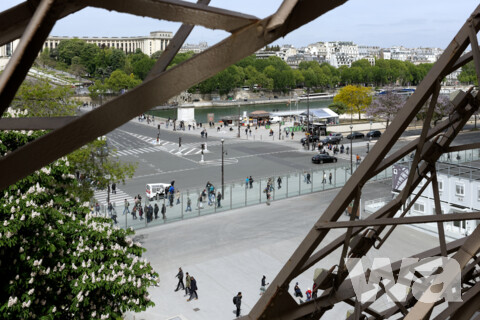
235	300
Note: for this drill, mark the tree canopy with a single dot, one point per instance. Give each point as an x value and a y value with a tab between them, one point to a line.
357	98
385	106
59	261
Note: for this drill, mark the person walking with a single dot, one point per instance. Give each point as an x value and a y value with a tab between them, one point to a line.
238	302
305	176
324	180
250	181
330	178
292	135
246	183
155	211
279	182
219	199
134	212
114	188
180	279
164	211
358	159
193	288
187	284
298	291
97	208
177	196
308	178
263	285
126	209
267	192
189	204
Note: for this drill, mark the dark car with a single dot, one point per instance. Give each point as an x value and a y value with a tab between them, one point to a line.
374	134
323	158
356	135
332	140
310	139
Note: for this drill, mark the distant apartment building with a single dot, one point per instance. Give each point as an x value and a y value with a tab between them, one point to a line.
286	51
157	40
368	51
294	61
195	48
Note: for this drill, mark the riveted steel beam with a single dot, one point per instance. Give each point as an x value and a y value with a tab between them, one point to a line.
178	11
34	123
32	41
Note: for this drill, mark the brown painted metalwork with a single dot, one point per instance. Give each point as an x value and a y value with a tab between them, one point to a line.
33	20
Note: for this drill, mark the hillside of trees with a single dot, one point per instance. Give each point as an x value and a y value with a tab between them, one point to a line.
111	69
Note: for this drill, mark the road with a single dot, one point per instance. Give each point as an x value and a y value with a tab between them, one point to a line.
165	161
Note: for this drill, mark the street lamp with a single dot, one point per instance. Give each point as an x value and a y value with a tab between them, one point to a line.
351	150
308	119
238	134
223	180
370	138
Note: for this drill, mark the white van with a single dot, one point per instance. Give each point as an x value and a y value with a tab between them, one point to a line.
275	119
156	190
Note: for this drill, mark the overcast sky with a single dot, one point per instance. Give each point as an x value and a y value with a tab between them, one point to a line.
384	23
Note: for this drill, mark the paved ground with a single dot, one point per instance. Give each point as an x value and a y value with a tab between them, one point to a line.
230	251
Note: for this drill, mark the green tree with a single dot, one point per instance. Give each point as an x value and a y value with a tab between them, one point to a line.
338	107
120	80
63	261
468	74
156	54
68	49
98	165
355	97
142	67
98	89
41	99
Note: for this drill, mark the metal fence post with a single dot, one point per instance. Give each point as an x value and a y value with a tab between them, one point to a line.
335	177
260	191
181	208
199	204
311	183
286	194
231	197
246	188
299	184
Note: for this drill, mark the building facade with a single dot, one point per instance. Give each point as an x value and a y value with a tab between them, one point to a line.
459	189
157	40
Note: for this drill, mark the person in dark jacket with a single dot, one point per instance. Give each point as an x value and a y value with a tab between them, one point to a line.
164	210
180	279
238	303
155	211
193	288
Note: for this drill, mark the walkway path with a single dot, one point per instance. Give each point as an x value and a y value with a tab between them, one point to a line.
231	251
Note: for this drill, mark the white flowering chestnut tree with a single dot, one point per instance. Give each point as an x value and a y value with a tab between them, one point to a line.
58	260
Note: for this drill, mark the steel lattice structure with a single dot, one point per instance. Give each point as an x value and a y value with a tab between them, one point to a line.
33	20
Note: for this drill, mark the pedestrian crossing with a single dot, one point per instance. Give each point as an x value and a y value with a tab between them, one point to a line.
188	149
117	199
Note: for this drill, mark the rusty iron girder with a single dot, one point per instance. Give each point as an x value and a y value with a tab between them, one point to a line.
33	20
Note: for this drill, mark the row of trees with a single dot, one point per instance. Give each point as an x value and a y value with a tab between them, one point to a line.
357	99
115	71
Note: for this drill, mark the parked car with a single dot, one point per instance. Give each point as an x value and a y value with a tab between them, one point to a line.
356	135
311	139
332	140
374	134
323	158
337	134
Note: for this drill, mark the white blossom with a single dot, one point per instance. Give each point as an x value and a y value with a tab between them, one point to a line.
12	301
30	292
